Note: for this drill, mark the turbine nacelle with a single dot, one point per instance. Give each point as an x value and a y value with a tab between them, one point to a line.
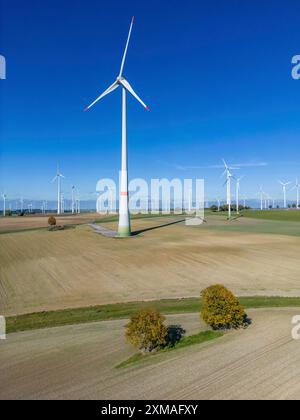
284	184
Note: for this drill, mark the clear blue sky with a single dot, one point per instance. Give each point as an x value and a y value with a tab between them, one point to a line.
216	75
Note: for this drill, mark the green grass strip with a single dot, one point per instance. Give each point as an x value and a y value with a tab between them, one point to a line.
58	318
191	340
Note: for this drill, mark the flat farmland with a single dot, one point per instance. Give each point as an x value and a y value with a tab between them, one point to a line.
41	270
79	362
15	223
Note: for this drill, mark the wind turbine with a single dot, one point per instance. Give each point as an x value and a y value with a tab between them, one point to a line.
261	192
62	201
124	229
297	186
4	204
58	178
238	180
284	185
228	183
77	201
73	199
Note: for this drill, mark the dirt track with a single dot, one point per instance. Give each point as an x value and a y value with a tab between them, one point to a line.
70	362
43	270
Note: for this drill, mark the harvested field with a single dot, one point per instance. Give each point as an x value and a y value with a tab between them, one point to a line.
41	270
78	362
34	222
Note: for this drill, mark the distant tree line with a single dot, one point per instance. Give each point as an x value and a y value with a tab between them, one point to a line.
224	208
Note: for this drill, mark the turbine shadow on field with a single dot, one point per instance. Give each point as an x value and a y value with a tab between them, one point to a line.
139	232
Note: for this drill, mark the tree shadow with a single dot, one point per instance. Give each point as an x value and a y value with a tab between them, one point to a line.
247	321
174	335
138	232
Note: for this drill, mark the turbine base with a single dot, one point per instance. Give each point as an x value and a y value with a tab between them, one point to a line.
124	231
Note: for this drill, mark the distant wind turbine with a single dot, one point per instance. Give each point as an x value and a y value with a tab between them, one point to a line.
78	210
229	175
261	192
238	180
73	199
284	185
296	187
124	215
4	204
58	179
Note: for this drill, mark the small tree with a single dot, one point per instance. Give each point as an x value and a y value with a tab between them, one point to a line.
221	309
52	221
146	330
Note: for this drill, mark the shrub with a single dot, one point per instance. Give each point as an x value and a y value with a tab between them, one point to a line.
52	221
146	330
221	309
214	208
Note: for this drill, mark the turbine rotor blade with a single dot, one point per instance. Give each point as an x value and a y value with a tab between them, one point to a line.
225	164
130	90
111	88
126	48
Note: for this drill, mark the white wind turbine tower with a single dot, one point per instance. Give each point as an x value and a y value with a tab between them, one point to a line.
219	203
228	184
4	196
238	180
124	216
73	199
62	203
58	178
261	192
296	187
284	185
77	200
